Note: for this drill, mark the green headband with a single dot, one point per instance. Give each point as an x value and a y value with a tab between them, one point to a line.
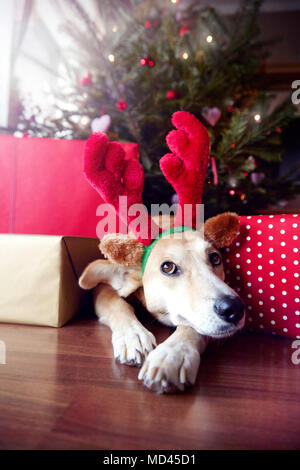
150	247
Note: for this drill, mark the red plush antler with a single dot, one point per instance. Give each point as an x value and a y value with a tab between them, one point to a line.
108	171
185	168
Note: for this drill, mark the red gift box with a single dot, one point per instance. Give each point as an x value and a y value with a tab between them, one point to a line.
262	265
43	190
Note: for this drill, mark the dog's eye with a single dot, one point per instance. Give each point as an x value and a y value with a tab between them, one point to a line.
215	259
169	268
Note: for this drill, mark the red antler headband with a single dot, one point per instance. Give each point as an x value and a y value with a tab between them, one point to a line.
185	168
107	170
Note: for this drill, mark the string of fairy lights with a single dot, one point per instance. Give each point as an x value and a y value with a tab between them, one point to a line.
185	55
148	61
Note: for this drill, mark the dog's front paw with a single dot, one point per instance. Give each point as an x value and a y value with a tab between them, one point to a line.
170	367
132	346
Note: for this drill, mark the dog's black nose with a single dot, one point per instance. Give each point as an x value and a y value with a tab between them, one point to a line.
230	309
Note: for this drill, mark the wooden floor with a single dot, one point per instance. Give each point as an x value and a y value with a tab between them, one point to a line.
61	389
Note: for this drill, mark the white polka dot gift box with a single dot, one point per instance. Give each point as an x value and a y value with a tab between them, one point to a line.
263	266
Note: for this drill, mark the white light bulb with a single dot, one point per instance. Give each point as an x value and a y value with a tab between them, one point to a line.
111	58
257	117
84	120
185	55
173	1
209	38
114	29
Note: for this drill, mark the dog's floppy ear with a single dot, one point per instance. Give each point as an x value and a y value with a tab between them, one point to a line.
222	229
123	280
122	249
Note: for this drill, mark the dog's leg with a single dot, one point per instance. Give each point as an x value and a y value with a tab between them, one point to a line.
174	364
131	341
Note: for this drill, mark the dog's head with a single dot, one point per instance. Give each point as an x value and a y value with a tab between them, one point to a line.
183	279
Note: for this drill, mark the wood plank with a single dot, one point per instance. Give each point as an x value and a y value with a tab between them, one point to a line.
61	389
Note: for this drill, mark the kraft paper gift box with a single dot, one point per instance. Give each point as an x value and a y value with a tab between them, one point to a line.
39	277
43	190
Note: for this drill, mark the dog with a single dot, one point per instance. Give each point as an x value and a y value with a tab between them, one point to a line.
177	274
182	286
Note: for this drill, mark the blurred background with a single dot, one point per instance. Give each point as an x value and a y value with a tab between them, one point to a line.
72	67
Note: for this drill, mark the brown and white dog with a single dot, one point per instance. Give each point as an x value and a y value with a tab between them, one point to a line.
179	277
182	286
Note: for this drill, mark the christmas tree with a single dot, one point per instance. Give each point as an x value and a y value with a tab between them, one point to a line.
137	62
